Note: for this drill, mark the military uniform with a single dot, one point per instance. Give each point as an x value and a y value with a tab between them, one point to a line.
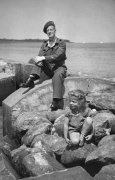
53	65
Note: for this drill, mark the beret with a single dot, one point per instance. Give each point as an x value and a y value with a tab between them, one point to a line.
49	23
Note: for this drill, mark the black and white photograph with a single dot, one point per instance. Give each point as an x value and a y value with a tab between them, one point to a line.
57	89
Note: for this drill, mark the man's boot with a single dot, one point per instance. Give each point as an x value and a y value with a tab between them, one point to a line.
28	83
56	104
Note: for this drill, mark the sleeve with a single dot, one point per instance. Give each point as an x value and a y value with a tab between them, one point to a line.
41	51
60	51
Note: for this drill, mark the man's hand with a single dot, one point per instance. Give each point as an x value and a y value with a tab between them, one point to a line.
39	59
40	64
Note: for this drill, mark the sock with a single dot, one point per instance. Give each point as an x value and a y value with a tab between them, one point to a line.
34	76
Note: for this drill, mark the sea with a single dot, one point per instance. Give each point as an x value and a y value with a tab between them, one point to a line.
83	59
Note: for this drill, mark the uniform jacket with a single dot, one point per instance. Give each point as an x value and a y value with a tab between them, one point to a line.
55	56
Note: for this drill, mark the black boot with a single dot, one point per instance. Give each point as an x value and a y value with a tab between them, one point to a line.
56	104
28	83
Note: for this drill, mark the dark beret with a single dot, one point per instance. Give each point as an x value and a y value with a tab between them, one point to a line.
49	23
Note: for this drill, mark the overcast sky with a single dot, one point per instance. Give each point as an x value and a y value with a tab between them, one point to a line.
76	20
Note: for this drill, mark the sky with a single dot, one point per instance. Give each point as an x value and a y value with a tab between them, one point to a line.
76	20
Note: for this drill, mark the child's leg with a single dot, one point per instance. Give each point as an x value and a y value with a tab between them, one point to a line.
74	137
87	126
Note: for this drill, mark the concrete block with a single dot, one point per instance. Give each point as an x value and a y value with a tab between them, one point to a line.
7	85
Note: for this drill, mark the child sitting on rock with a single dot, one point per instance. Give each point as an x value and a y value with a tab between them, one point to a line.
78	125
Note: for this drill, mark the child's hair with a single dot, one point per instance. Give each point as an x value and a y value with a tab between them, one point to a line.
78	94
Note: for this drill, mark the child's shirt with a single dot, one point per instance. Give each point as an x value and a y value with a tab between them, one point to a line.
76	120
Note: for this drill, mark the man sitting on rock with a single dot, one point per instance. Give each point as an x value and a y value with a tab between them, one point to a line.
78	124
50	62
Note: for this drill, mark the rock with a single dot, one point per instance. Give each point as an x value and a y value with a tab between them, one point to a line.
34	161
104	124
106	140
104	177
103	98
7	145
6	170
26	121
55	143
59	125
42	127
107	172
53	115
100	157
76	173
75	156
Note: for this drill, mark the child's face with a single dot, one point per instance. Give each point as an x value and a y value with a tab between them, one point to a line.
76	103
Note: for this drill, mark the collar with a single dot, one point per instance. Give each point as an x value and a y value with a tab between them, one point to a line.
48	43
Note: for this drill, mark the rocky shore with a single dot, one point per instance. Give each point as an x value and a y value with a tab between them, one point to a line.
33	146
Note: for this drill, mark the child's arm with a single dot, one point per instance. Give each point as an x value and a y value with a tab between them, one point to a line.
89	137
66	130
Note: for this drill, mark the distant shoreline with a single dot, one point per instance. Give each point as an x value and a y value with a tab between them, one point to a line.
27	40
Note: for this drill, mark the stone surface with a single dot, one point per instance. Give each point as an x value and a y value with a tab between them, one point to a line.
55	143
103	97
6	170
100	157
75	156
59	125
76	173
26	121
7	145
106	140
107	172
103	120
53	115
39	129
34	161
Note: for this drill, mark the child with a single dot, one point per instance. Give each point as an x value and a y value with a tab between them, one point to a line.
78	122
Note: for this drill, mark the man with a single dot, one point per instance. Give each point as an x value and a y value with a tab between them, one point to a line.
51	62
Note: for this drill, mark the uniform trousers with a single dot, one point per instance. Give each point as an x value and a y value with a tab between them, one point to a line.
57	77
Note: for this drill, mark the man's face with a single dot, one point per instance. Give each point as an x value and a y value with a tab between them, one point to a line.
51	31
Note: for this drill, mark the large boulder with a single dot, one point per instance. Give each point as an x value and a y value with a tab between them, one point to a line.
107	172
7	172
7	145
30	162
40	128
104	124
76	173
75	156
59	125
53	115
26	121
55	143
100	157
106	140
102	97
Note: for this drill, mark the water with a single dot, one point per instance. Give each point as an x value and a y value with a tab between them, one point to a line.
96	60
